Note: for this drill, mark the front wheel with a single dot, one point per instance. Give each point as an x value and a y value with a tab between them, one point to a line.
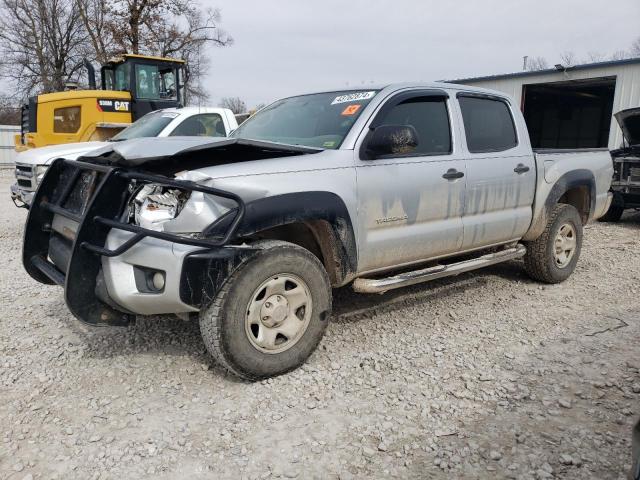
271	313
552	257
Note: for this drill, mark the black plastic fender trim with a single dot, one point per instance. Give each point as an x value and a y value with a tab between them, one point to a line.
279	210
573	179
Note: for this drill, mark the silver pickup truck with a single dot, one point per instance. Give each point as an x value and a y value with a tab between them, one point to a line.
381	188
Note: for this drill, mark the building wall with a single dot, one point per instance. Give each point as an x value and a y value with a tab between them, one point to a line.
627	92
7	145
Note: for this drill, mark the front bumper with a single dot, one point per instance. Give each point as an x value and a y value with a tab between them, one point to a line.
74	237
21	195
192	275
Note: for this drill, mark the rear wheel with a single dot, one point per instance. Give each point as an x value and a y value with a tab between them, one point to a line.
271	313
553	256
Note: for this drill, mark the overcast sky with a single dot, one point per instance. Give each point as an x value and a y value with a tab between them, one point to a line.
284	47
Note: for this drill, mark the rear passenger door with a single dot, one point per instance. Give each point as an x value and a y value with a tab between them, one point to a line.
501	174
410	203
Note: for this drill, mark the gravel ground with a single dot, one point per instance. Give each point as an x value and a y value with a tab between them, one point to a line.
486	375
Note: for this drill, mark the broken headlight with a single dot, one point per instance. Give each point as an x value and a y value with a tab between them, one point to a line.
154	205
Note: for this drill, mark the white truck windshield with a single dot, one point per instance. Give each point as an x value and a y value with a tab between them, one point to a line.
320	120
148	126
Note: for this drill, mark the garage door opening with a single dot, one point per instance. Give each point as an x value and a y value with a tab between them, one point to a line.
575	114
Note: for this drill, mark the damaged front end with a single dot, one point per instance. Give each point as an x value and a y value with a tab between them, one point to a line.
132	230
84	215
626	161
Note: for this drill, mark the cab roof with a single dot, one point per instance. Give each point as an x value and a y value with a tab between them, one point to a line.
127	56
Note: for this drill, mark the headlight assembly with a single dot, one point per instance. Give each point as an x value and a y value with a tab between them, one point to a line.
154	205
168	209
40	171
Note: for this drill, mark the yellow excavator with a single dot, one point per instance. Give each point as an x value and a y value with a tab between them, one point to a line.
131	86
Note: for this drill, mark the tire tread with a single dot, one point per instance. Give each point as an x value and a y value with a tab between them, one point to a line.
535	260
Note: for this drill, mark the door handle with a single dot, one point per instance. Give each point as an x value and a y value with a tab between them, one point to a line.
521	168
453	174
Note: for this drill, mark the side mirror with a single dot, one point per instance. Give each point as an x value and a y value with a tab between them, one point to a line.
392	140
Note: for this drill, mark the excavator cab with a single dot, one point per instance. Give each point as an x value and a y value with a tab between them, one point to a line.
153	82
131	86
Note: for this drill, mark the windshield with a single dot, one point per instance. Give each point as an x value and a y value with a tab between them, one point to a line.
319	120
148	126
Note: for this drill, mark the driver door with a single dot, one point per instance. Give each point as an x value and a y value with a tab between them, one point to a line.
411	204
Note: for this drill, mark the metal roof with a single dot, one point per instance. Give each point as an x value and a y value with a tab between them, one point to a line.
546	71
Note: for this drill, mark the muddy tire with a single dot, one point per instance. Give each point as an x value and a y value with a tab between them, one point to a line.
553	256
271	313
613	214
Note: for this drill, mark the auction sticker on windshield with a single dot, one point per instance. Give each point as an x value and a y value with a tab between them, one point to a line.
351	109
352	97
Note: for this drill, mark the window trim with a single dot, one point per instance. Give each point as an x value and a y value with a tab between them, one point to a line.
495	98
393	102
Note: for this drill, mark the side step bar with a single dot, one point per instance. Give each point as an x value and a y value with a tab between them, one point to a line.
381	285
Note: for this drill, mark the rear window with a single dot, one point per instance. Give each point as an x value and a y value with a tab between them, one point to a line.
203	125
488	124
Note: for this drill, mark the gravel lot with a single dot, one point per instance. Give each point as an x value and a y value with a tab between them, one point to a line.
486	375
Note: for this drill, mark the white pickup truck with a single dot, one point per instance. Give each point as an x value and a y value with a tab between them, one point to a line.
31	165
378	188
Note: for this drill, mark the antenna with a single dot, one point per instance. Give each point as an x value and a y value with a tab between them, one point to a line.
524	62
199	79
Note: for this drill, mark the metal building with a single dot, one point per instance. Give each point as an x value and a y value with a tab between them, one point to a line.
571	107
7	145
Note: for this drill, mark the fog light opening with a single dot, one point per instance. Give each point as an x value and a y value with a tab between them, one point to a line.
149	280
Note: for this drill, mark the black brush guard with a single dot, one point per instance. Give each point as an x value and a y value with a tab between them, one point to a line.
105	195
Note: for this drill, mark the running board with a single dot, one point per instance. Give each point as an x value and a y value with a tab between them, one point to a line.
381	285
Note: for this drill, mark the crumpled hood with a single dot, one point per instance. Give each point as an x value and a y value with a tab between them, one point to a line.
629	121
45	155
173	154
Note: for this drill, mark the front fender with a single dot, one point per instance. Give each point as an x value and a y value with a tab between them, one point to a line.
278	210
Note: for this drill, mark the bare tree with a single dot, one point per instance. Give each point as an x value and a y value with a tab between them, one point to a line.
9	113
537	63
40	44
166	28
635	48
593	57
235	104
568	59
188	37
95	17
619	55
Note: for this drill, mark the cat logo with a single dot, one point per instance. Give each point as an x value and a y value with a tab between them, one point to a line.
108	105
